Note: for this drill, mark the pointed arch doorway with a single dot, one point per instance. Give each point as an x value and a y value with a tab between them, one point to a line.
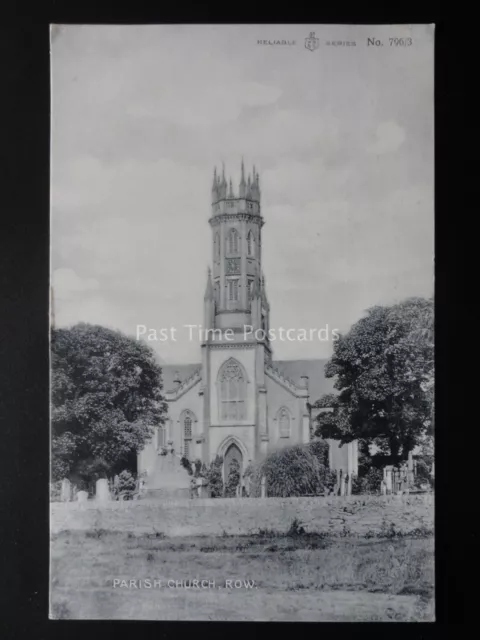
232	453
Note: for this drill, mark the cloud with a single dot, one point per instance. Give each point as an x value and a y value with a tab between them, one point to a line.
389	137
67	284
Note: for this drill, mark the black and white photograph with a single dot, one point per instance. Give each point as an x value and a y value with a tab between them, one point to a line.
242	323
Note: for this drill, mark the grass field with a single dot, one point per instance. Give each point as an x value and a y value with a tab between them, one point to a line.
104	575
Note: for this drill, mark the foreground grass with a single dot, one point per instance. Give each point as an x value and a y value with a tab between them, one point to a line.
307	577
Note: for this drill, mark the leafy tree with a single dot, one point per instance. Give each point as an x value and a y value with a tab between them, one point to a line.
319	448
385	370
233	479
106	399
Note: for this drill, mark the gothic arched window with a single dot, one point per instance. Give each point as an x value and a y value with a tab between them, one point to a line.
250	244
284	423
187	421
216	247
233	241
232	384
161	437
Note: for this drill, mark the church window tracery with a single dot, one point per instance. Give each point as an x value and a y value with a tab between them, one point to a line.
250	244
233	391
233	242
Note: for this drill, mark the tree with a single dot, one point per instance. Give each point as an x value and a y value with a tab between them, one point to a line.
106	399
385	370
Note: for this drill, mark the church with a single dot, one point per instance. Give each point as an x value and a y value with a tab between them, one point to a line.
238	402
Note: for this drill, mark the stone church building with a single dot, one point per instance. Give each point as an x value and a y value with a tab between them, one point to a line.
237	401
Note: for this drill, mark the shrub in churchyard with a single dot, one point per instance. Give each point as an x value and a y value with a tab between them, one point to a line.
106	400
369	483
186	464
125	485
214	477
233	479
291	471
422	475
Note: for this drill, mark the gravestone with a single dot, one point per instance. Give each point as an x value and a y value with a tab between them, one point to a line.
82	497
388	471
263	487
66	491
202	488
102	492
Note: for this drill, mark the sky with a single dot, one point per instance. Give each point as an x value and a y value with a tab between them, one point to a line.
342	138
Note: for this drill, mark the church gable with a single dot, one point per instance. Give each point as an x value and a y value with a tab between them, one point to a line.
283	415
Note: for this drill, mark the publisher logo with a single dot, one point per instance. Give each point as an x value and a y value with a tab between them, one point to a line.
312	43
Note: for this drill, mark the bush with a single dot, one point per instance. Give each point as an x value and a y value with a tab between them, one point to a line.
214	478
233	479
369	483
423	475
124	486
292	471
330	480
185	462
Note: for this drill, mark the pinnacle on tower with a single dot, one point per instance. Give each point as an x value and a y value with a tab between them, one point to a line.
230	193
249	187
215	185
209	288
241	191
223	193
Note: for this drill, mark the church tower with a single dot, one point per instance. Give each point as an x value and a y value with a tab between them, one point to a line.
236	279
236	317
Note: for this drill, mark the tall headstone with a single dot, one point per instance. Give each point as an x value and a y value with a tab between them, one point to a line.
102	492
263	487
66	491
388	478
410	470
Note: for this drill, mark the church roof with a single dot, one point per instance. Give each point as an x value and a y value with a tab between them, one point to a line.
315	370
293	369
169	373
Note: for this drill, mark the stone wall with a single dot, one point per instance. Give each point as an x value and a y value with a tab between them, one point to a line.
247	515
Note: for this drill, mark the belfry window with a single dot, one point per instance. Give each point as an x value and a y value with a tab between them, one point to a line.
250	244
250	288
233	391
233	290
233	241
